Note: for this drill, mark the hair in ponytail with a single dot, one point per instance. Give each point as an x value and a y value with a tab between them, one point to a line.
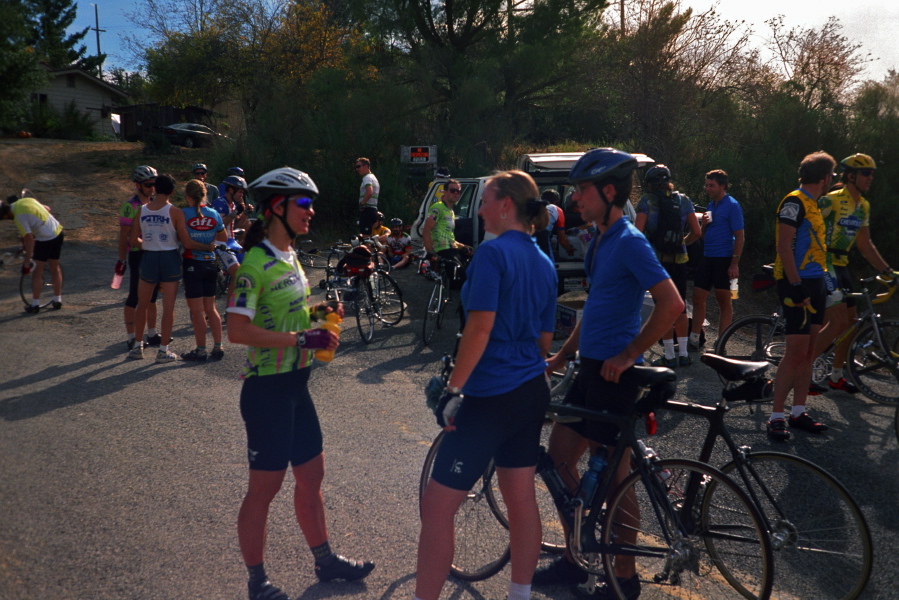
520	187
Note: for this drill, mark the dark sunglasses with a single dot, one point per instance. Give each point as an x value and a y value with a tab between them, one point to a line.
453	191
358	166
303	202
149	184
865	172
199	173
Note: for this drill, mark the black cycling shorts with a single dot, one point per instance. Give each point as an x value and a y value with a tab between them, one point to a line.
49	249
199	278
505	428
712	272
799	319
591	391
845	281
678	274
280	419
134	278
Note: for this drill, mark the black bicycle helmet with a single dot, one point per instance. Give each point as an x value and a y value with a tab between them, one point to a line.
235	181
379	216
236	171
600	163
199	167
658	174
143	173
396	223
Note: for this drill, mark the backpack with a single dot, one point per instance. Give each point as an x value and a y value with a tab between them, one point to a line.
358	261
668	237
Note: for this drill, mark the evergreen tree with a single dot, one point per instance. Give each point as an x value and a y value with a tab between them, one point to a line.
19	69
48	21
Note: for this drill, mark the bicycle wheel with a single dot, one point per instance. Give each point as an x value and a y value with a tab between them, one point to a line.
46	293
708	544
312	259
822	546
432	313
560	381
482	540
365	313
756	337
383	263
389	298
873	370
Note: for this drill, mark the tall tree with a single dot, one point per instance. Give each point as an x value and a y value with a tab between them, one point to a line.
19	69
48	21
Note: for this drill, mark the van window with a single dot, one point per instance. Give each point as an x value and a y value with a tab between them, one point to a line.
463	206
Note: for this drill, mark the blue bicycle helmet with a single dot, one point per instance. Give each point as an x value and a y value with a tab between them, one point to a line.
236	171
235	181
600	163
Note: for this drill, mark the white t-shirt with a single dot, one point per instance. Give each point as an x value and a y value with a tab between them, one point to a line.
370	180
157	230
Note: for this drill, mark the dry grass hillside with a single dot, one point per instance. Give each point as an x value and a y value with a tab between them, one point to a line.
84	183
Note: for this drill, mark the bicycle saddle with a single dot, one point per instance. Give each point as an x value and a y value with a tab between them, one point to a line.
732	369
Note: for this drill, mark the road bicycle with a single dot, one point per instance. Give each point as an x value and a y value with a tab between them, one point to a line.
310	257
821	541
691	530
872	363
25	289
445	274
374	294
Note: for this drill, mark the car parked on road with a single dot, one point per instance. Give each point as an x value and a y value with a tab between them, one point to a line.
190	135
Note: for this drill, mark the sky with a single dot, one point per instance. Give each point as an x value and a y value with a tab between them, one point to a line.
869	22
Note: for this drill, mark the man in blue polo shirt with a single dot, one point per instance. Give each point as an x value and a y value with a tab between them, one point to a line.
610	336
722	232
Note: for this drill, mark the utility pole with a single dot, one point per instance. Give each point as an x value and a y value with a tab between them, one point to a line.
98	30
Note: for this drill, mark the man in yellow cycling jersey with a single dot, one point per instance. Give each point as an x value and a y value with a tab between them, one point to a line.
846	217
42	239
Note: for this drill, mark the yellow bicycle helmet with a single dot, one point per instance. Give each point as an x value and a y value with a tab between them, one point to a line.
857	161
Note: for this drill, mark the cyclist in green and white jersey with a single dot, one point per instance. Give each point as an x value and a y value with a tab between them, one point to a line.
270	314
42	239
438	234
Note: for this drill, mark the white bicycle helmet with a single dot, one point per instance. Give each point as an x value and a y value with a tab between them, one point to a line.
143	173
283	182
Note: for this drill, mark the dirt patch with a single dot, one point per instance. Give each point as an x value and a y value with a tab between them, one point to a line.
84	183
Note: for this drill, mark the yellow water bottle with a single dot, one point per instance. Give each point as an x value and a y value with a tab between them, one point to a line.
331	324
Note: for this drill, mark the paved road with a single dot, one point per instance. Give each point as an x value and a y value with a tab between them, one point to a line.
121	479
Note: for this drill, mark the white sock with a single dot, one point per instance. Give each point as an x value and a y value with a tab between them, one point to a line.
682	346
519	591
694	337
669	348
836	375
797	411
35	302
775	416
163	348
57	298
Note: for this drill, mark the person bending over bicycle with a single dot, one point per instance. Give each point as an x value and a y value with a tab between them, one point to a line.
42	238
399	245
846	218
620	265
270	314
510	300
438	234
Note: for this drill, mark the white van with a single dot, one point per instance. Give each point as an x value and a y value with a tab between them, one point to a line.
550	171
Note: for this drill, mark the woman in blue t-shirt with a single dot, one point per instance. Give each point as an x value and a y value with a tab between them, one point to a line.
201	272
510	301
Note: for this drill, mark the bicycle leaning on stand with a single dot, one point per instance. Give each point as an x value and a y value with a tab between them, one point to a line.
692	532
445	275
872	363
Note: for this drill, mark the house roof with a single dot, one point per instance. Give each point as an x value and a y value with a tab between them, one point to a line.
113	89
